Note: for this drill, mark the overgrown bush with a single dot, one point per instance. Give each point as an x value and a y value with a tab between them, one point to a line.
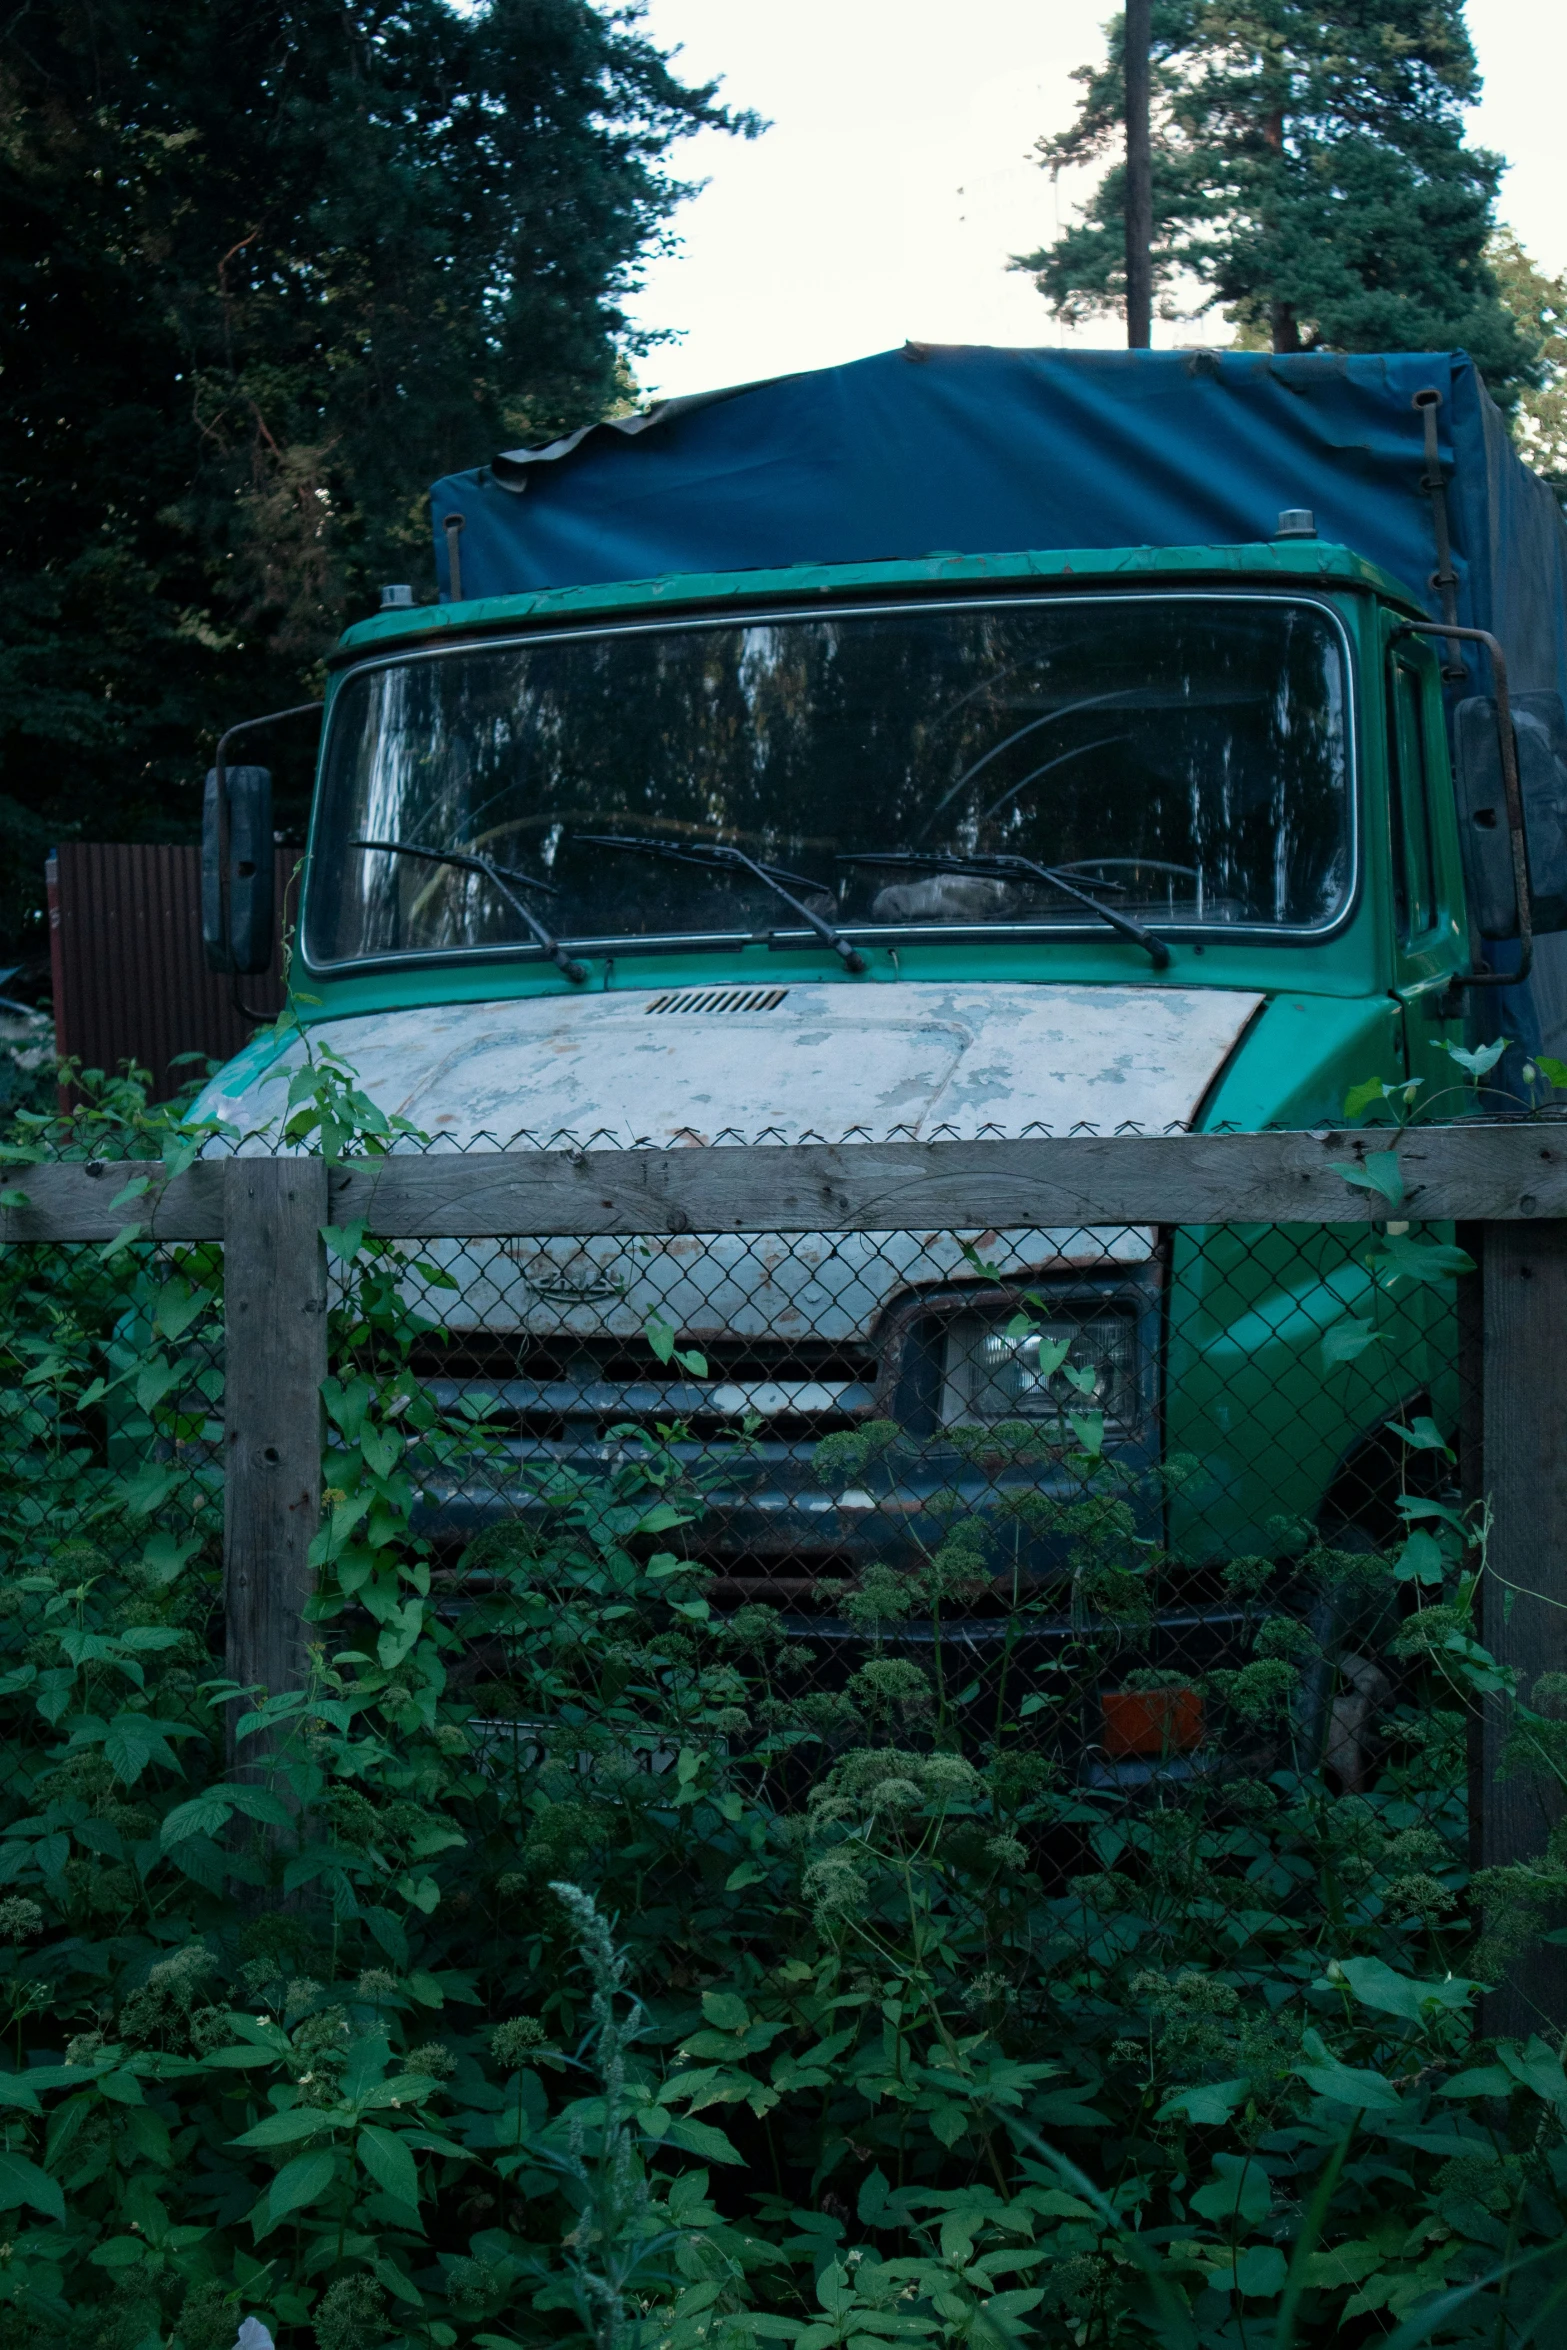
635	1989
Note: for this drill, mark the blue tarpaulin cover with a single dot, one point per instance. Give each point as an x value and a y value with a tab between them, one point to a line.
941	450
978	451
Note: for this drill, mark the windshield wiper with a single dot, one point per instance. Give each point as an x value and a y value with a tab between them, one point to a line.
1009	868
716	855
493	874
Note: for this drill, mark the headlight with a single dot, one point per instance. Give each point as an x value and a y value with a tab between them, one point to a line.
992	1376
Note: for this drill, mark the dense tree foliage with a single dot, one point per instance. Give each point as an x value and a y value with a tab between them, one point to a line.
1539	303
1310	173
266	273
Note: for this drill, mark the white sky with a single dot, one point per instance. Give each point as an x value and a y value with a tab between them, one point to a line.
896	179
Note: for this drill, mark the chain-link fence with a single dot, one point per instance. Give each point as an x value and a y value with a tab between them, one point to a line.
1079	1483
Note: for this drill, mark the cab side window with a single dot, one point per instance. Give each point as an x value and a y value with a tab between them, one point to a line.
1414	850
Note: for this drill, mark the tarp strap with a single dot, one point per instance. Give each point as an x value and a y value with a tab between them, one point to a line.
1444	578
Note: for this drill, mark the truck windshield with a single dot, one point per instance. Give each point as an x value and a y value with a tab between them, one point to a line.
1183	760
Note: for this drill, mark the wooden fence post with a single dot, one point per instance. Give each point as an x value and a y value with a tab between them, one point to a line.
1470	1443
274	1307
1524	1272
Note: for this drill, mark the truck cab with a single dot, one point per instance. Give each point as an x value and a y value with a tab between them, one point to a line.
958	844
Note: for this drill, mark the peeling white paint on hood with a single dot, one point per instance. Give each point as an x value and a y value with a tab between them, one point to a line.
912	1058
824	1062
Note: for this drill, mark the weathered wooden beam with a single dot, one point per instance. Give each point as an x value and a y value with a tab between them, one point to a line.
274	1304
1524	1598
1472	1172
75	1199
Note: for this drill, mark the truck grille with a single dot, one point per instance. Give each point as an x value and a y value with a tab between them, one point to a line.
577	1392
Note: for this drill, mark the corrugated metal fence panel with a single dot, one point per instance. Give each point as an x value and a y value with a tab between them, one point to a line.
130	980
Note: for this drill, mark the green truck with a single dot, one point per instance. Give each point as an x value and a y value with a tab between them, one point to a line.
958	743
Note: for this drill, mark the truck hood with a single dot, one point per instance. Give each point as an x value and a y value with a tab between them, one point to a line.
781	1063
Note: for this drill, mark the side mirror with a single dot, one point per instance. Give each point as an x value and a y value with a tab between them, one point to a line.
1540	731
238	862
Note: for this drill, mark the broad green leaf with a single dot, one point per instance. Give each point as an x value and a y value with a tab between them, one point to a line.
347	1403
1347	1341
207	1814
438	1836
287	2129
131	1742
401	2288
164	1556
691	2137
257	1803
1239	2190
1360	1097
726	2010
1056	2203
1399	1258
1366	2092
1536	2067
1379	1171
178	1306
1015	2302
1259	2271
401	2089
1482	2080
302	2181
1067	2109
660	1518
1422	1560
1209	2104
389	2163
1424	1435
382	1449
1482	1060
259	2031
22	2181
368	2058
1344	2264
1376	1985
833	2289
119	2252
154	1380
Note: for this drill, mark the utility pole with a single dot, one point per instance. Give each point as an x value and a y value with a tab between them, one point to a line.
1139	180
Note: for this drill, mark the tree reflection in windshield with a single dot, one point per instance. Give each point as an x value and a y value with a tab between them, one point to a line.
1184	756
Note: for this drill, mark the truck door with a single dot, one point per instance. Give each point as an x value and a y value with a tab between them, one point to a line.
1429	923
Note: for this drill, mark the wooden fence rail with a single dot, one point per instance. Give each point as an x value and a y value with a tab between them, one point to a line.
1506	1186
1501	1174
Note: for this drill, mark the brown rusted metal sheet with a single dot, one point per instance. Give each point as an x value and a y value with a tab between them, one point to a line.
130	979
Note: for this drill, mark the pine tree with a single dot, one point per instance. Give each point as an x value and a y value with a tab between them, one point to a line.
1310	174
265	273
